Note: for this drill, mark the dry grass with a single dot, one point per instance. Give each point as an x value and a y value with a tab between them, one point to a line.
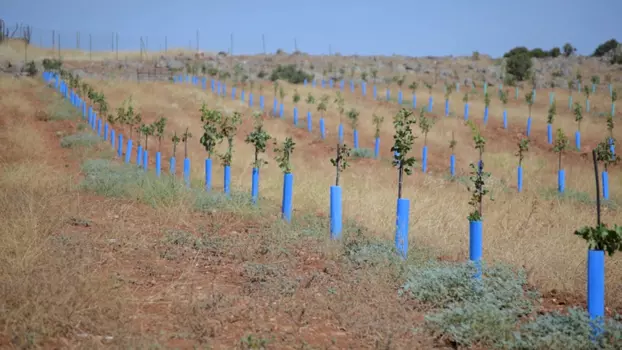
14	51
528	230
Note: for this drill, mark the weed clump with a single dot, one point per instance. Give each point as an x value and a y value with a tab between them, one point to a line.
362	153
82	139
571	330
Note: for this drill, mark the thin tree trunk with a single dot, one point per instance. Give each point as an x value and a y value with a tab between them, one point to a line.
399	181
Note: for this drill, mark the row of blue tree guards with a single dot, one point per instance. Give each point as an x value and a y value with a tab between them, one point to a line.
596	258
220	89
142	155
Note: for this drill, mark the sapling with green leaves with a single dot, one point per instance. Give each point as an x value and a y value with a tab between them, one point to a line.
323	105
159	126
465	98
587	91
340	102
605	156
296	98
212	136
282	93
559	146
610	126
310	100
529	100
453	143
601	237
413	87
340	162
425	124
175	140
228	127
449	89
595	80
377	121
578	115
400	81
259	139
147	130
283	154
404	139
185	137
523	147
503	96
275	87
128	116
478	177
429	87
353	116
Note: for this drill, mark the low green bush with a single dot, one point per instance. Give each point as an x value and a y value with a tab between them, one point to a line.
362	153
81	139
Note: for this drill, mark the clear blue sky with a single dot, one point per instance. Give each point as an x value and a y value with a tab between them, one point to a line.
364	27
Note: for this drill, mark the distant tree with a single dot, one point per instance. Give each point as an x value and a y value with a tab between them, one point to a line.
555	52
538	53
516	51
518	65
568	49
605	47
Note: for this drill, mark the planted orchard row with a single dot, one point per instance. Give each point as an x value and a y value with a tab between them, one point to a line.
559	145
218	126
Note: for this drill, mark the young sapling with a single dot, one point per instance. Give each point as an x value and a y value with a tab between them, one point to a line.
429	87
159	127
404	140
185	137
523	147
340	162
259	139
310	100
228	127
413	87
601	237
503	96
529	100
147	130
587	91
425	124
340	102
212	136
478	178
283	154
175	140
377	121
560	145
296	98
453	143
353	116
449	89
282	93
323	105
578	115
604	154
